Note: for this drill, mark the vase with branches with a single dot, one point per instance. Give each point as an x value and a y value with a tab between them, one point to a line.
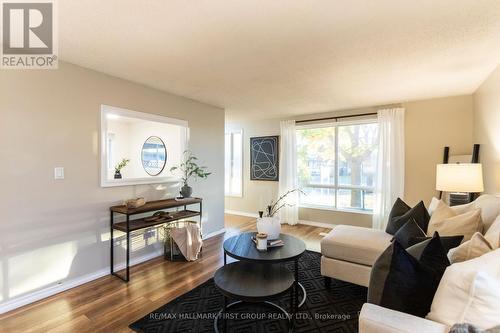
189	168
118	168
270	223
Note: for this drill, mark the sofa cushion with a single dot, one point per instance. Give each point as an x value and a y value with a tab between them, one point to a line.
377	319
399	208
473	248
468	298
448	222
458	300
355	244
432	253
493	234
469	328
490	209
404	283
489	204
409	231
419	213
448	242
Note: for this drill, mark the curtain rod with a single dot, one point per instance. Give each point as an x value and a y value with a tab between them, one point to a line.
338	117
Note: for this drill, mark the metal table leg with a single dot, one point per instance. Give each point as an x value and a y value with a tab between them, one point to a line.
228	306
296	263
111	242
128	249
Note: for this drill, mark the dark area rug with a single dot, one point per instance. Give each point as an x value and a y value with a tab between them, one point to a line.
326	310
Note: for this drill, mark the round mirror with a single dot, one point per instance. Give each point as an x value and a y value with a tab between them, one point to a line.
154	156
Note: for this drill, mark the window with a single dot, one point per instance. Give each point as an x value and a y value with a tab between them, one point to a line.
111	159
337	164
234	163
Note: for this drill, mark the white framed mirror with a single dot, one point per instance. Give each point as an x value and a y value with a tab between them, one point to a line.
139	148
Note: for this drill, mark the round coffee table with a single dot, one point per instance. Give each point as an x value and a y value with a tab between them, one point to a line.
253	282
243	248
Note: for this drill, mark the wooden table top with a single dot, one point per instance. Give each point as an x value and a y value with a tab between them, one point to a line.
242	247
155	205
253	282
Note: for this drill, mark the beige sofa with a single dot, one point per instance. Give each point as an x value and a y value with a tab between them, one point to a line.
348	254
377	319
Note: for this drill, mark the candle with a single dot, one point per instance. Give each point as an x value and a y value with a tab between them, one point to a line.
261	242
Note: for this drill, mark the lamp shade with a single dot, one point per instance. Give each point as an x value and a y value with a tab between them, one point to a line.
460	177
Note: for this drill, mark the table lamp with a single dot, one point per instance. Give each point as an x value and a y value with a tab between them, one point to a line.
459	179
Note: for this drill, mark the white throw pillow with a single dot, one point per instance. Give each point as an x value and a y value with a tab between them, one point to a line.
473	248
490	209
469	292
493	234
449	223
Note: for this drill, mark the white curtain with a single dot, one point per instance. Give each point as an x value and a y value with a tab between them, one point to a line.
390	179
288	172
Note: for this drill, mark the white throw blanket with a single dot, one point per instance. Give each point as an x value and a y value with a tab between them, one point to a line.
188	239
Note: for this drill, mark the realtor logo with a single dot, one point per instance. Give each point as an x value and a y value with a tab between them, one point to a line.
28	35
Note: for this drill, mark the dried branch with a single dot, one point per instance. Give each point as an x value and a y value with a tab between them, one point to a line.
271	209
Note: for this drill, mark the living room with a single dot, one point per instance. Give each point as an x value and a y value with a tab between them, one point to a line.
250	166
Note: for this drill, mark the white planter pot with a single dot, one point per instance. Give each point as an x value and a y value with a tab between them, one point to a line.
270	226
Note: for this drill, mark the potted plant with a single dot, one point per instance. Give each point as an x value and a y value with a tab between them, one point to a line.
119	167
270	224
190	169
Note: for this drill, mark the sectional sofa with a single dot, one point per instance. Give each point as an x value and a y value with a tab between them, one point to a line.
349	252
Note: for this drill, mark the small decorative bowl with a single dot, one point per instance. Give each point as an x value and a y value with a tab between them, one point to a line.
135	203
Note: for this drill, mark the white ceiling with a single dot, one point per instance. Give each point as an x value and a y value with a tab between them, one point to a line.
281	57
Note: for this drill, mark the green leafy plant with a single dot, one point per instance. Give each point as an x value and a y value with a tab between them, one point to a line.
122	164
190	169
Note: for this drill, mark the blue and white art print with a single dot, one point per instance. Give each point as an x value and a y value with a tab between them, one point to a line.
264	158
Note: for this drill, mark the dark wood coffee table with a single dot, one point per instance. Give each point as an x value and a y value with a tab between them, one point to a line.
258	276
242	247
254	283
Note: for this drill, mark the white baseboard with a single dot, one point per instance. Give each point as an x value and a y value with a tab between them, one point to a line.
237	212
213	234
19	301
317	224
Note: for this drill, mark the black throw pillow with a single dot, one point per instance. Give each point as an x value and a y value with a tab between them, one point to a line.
448	242
398	209
431	253
408	232
403	283
419	213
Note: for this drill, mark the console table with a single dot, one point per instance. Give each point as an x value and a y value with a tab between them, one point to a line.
130	225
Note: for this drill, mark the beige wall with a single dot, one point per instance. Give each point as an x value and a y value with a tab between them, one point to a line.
430	125
55	232
487	130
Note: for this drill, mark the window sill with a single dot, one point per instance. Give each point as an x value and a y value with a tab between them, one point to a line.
354	211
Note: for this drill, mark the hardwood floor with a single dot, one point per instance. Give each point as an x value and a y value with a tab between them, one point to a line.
109	305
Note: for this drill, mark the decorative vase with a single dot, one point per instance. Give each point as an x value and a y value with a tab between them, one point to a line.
270	226
118	174
186	191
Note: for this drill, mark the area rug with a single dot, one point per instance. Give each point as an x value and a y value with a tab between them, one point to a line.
326	310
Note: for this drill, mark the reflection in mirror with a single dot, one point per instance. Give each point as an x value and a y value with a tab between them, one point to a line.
151	145
154	156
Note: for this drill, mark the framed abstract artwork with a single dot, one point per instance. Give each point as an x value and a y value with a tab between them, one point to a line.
264	158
